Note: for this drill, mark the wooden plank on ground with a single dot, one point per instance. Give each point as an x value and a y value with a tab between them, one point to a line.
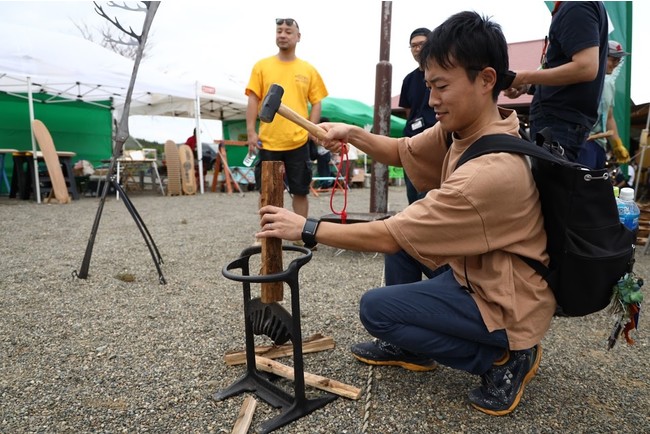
314	343
243	422
317	381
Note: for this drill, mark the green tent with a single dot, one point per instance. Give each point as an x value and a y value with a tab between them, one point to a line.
344	110
75	126
357	113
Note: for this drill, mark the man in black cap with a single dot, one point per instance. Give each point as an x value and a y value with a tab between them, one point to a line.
415	99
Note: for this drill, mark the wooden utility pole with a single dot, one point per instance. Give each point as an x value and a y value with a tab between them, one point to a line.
381	119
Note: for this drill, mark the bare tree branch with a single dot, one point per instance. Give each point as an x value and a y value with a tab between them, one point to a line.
116	23
85	31
125	45
129	8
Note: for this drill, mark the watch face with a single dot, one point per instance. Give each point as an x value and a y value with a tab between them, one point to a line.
309	232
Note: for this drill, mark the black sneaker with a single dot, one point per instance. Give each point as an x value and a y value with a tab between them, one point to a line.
382	353
503	384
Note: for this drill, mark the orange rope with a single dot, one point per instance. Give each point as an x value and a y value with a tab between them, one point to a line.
338	184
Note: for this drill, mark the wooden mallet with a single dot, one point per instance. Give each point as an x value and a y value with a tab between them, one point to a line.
272	104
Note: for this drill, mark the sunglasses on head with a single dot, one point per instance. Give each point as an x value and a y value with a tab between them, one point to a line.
288	21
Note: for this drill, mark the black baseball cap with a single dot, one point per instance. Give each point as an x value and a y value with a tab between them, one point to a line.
422	31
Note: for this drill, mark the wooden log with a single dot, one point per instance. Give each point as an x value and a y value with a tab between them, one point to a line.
272	193
314	343
243	422
317	381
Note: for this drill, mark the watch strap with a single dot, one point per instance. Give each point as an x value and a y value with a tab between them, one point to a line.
309	232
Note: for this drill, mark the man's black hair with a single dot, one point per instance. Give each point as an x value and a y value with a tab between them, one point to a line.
470	41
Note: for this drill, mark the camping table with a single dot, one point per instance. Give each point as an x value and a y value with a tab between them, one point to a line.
3	172
130	162
23	173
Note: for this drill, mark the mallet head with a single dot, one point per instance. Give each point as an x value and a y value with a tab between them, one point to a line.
271	103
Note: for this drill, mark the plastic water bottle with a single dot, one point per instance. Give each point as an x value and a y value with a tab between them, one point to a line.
250	158
628	211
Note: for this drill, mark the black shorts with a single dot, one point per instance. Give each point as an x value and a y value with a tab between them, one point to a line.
297	166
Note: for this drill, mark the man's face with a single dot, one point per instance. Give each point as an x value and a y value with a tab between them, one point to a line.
416	46
286	37
612	63
458	102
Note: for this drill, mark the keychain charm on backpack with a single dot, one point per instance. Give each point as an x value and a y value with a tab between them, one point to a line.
626	301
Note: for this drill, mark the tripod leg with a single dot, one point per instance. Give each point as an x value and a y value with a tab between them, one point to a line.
85	264
151	245
140	222
148	239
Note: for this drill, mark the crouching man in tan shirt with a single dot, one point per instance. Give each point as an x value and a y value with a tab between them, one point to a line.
487	313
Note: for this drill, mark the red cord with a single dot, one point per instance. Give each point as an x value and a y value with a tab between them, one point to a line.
343	185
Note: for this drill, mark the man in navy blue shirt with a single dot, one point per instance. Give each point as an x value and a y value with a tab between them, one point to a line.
568	85
415	99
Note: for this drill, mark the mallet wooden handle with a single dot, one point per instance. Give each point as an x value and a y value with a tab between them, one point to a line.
294	117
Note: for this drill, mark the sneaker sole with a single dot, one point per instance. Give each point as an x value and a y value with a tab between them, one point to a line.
529	376
410	366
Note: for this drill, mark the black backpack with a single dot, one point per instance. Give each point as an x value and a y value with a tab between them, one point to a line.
589	248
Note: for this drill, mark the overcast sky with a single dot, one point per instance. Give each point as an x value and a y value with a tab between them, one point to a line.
340	38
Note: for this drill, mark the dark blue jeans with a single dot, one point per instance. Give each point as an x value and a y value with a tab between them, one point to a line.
571	136
593	155
400	267
435	317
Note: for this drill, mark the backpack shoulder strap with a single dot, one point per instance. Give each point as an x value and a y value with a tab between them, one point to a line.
507	143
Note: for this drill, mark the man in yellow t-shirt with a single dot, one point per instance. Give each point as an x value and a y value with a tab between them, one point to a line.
283	140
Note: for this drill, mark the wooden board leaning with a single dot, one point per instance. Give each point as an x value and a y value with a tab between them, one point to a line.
45	142
188	177
173	163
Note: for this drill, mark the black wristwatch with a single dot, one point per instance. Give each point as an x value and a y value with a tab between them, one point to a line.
309	232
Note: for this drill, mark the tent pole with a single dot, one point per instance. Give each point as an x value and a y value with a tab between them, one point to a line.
30	97
199	145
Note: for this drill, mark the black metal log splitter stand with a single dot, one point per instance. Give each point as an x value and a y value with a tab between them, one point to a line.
275	322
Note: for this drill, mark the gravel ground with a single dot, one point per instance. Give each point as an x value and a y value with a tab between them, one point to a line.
103	355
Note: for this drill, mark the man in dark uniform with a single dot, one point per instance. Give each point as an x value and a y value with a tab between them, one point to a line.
415	99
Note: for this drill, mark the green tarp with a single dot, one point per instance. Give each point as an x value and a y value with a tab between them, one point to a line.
344	110
357	113
75	127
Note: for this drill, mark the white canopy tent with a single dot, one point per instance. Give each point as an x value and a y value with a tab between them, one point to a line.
64	66
225	101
